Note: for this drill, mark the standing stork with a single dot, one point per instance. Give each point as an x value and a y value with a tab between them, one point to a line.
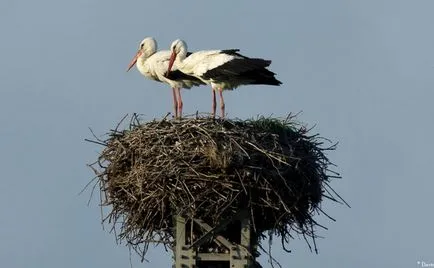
154	65
222	69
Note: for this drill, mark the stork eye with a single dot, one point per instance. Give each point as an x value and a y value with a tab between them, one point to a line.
141	45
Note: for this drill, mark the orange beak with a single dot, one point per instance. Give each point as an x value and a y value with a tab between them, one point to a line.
134	60
171	61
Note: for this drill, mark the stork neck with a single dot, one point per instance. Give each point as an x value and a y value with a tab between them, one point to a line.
140	64
182	54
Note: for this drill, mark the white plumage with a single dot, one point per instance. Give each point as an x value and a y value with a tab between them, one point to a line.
154	65
201	62
222	69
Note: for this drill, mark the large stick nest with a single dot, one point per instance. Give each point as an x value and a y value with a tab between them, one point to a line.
211	169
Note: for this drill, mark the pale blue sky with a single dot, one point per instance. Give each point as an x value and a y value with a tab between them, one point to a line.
362	71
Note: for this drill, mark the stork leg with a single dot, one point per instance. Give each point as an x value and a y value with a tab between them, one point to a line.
175	102
222	103
180	104
213	103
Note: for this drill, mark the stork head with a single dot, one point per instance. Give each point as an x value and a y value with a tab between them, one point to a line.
147	47
178	49
178	46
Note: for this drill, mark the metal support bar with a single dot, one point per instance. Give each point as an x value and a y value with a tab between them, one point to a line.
237	256
213	257
184	257
212	231
241	256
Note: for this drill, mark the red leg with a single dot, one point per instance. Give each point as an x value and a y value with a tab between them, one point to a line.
222	103
180	104
175	102
213	102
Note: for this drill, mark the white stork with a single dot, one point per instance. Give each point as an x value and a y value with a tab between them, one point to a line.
154	65
222	69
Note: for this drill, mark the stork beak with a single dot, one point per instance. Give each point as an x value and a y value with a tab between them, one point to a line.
171	61
134	60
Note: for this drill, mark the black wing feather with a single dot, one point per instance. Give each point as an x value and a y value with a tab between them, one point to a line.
243	70
178	75
236	67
